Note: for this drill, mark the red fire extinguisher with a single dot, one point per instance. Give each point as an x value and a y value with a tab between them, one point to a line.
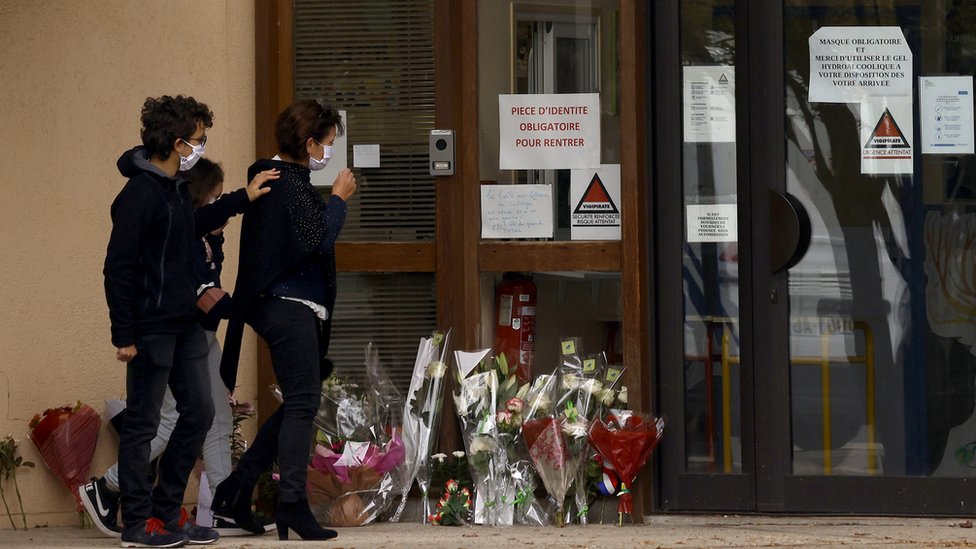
515	299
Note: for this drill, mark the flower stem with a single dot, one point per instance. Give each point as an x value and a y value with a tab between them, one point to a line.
20	500
5	506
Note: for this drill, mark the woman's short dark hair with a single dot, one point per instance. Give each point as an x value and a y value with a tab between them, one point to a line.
304	119
166	119
203	178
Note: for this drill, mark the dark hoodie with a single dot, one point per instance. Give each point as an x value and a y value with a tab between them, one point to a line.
150	276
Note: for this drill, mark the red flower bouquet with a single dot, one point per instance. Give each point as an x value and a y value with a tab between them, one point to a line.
65	438
626	443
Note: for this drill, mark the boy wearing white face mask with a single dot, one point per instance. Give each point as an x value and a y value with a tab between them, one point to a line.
150	288
205	185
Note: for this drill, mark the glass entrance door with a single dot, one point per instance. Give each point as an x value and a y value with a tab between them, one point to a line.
828	246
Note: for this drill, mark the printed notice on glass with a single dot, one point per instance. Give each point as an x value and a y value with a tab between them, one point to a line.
549	131
946	114
594	202
516	211
887	130
339	161
709	104
712	222
849	63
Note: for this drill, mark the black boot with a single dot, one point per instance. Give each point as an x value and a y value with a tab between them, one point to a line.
232	501
297	516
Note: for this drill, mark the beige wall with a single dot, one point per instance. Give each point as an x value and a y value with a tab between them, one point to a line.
73	76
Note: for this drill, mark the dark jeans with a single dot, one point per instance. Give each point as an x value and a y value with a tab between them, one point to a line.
179	360
291	331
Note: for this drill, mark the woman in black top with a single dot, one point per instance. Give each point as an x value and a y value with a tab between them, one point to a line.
286	288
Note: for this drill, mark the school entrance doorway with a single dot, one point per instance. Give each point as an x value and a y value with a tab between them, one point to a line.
821	359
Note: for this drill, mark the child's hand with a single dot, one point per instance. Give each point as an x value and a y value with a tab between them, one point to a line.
254	189
345	184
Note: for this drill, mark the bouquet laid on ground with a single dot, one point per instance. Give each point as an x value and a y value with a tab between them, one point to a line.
454	507
65	437
351	478
626	441
475	401
421	417
555	435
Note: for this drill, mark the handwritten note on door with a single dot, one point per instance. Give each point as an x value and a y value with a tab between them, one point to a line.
516	211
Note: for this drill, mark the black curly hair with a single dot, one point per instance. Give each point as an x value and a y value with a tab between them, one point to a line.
203	178
304	119
166	119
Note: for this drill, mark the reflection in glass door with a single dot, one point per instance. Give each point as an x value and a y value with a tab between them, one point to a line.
845	379
710	266
882	305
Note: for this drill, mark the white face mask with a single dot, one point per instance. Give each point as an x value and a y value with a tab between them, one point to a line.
315	164
187	162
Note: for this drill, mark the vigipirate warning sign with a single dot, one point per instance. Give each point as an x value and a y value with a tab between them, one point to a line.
594	199
886	132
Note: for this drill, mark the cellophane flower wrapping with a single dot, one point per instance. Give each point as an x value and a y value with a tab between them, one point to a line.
555	436
489	407
421	417
352	478
626	441
580	388
66	437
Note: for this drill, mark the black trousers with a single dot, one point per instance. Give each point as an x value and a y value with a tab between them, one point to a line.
292	332
179	360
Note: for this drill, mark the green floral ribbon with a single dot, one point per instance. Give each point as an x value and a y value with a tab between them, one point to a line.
583	511
571	414
520	498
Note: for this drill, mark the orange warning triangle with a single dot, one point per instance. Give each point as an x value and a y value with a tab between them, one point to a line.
886	134
596	199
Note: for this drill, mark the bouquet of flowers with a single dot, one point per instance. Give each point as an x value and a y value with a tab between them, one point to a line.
454	507
475	401
554	434
65	437
350	476
581	389
421	416
626	442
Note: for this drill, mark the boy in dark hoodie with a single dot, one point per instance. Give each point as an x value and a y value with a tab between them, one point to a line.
212	208
150	287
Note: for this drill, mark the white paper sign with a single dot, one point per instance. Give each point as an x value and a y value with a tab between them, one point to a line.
594	201
946	114
712	222
326	176
549	131
516	211
887	130
709	104
366	156
849	63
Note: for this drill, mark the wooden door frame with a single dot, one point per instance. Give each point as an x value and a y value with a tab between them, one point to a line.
458	256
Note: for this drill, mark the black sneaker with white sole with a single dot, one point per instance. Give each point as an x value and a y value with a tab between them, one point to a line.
102	505
150	533
197	535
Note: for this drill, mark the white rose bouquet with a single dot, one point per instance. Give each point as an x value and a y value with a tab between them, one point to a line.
421	415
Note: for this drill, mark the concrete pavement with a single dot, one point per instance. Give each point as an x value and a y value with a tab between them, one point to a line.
679	531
